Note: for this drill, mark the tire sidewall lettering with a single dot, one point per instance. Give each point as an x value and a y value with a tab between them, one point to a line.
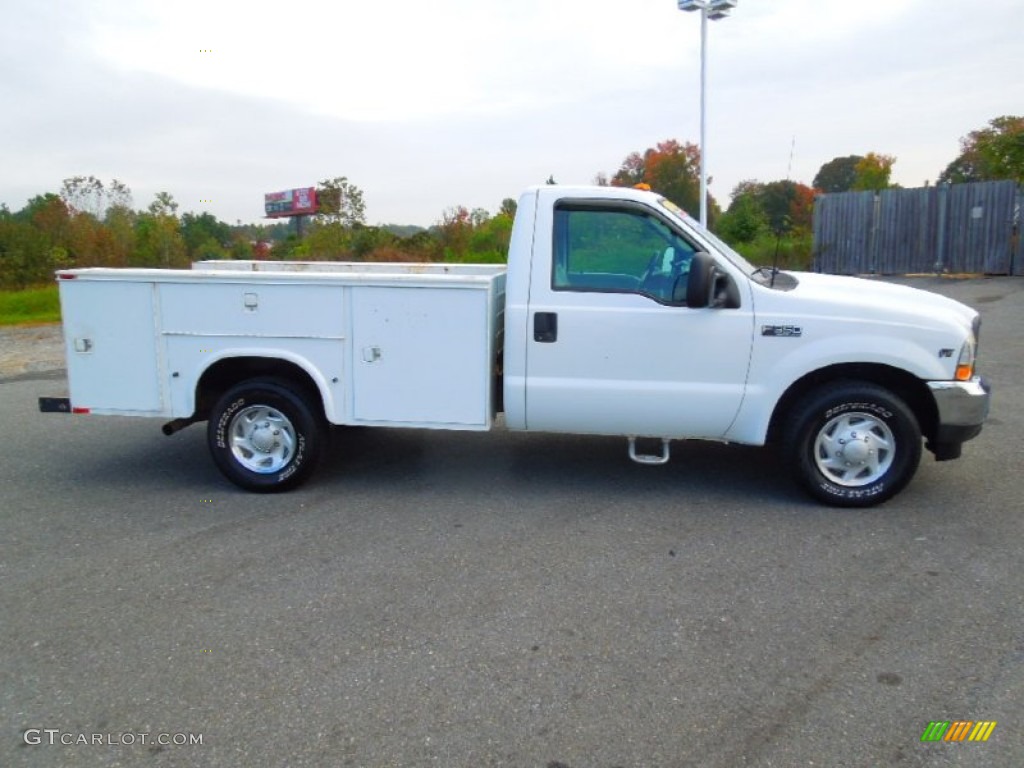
222	422
296	462
874	408
853	493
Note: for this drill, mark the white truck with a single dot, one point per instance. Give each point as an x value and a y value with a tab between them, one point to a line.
616	315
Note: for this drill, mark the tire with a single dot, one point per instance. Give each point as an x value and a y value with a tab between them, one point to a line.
265	436
852	444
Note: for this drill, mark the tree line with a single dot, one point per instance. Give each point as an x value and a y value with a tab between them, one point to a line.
92	224
772	221
89	223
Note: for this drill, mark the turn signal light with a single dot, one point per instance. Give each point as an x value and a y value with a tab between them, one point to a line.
965	363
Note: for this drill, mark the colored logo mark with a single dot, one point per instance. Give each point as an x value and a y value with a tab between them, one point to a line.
958	730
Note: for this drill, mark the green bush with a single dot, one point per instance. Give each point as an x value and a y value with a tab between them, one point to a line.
795	252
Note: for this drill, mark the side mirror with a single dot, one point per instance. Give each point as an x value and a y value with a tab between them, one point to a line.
707	286
698	286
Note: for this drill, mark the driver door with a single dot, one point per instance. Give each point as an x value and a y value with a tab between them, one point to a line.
612	349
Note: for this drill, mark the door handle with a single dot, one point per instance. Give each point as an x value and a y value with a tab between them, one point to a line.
545	327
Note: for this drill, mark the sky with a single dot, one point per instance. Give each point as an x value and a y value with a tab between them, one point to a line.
429	105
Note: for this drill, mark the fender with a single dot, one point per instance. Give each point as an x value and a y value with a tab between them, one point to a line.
183	397
774	370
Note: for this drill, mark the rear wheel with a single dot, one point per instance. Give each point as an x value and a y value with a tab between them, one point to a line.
853	444
265	436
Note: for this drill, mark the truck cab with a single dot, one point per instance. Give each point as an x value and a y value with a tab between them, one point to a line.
602	335
625	317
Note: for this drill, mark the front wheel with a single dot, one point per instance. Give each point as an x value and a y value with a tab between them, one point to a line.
853	444
264	435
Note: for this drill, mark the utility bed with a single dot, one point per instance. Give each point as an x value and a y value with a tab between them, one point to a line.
398	344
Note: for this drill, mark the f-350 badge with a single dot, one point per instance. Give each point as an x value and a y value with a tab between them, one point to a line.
791	331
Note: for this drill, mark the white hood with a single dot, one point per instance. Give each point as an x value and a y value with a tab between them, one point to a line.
885	300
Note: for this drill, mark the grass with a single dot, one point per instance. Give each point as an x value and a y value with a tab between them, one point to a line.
32	305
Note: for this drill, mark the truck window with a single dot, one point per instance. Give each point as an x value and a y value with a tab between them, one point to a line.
618	250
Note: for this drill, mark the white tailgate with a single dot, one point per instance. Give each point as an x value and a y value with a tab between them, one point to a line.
420	357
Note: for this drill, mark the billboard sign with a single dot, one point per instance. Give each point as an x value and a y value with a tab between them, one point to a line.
291	202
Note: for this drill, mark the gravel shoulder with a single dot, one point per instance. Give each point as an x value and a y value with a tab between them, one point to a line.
30	350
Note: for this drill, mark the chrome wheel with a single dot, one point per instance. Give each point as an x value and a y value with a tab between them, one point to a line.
854	449
262	439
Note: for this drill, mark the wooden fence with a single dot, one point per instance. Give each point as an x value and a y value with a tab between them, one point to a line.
972	228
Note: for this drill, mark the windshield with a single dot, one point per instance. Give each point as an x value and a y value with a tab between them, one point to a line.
703	233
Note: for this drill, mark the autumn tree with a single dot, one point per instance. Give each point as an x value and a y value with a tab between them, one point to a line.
163	204
837	175
780	207
87	194
84	194
340	202
33	242
120	224
464	235
453	231
50	214
119	195
873	172
340	211
508	207
85	240
490	238
26	254
990	154
420	246
367	240
324	241
671	169
158	234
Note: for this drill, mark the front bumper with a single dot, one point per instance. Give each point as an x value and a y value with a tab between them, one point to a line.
962	408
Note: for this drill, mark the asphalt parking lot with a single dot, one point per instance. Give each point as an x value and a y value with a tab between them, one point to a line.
445	599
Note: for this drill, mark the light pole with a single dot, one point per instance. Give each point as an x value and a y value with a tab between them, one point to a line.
714	10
